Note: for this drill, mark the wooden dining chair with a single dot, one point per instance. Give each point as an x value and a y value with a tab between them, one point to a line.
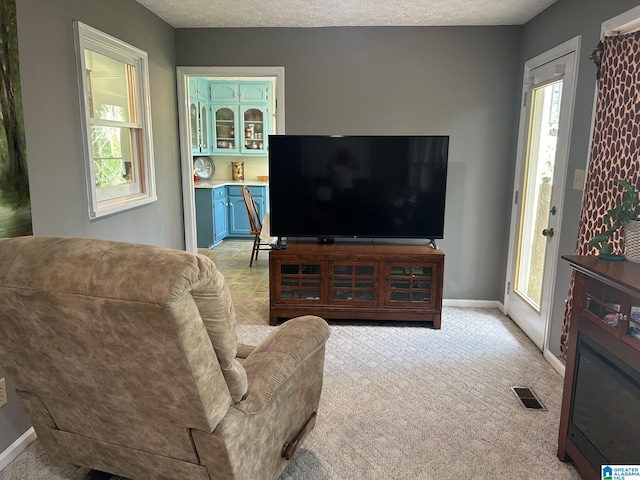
256	224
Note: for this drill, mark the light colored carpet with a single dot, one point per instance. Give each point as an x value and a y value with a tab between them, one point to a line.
251	311
409	402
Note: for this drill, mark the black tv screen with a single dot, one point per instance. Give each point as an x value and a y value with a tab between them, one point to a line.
357	186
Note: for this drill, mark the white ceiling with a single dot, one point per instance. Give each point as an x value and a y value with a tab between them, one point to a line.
326	13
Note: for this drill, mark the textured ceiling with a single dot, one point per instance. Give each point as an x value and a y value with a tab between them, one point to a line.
326	13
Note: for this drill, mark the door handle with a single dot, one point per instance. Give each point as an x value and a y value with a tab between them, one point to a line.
548	232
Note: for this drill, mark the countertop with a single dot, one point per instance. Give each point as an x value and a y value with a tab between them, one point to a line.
220	183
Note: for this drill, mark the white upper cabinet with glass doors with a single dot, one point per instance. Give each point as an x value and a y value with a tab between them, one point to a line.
240	116
199	116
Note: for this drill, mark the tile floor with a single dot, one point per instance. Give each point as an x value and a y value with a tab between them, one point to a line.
232	259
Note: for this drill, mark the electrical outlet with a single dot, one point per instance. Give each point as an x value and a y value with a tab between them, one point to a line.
578	179
3	393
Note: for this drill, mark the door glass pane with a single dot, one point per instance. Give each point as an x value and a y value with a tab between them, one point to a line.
342	270
204	137
310	294
400	284
341	294
634	321
364	270
365	295
224	121
311	269
289	269
420	297
536	196
422	284
253	129
193	115
397	270
399	296
422	271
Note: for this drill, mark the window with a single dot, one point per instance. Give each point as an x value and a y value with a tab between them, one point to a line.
114	82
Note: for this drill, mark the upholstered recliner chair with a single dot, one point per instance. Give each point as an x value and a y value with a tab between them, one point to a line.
125	358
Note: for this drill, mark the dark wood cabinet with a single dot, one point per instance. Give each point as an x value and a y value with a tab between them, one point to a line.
600	416
356	282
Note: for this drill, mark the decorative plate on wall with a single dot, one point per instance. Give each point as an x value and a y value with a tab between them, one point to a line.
204	167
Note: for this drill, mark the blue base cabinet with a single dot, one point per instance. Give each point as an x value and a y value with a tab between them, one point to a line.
221	213
220	205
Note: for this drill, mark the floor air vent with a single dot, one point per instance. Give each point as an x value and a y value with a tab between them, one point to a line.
528	399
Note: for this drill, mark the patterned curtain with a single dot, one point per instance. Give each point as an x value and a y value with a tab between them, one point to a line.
615	148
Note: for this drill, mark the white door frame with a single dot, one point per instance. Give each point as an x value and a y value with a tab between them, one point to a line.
569	88
186	158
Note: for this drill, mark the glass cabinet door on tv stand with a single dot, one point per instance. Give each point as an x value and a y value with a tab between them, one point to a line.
353	282
300	281
411	283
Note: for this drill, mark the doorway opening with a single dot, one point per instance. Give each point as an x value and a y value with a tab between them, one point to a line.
275	75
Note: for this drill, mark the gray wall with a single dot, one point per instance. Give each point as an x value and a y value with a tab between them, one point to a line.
457	81
560	22
13	420
53	134
52	116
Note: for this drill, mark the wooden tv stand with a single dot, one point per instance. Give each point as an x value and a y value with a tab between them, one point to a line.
356	281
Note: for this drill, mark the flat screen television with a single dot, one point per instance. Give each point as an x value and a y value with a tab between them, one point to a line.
380	186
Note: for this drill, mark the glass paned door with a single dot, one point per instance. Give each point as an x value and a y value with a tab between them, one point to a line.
548	93
536	194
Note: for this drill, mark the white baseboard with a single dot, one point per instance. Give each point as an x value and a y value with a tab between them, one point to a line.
16	448
454	302
555	362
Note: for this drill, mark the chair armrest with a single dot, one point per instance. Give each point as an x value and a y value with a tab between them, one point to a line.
278	356
244	350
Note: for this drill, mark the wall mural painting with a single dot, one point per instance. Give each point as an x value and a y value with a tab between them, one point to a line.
15	206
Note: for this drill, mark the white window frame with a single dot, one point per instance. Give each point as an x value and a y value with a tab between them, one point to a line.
144	191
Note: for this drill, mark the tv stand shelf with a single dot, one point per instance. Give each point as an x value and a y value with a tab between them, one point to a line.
355	281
